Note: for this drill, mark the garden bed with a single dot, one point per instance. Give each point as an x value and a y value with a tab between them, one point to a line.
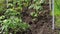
35	18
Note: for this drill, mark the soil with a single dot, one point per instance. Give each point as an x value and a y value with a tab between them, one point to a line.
42	24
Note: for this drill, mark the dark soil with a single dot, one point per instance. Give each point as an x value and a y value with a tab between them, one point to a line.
42	24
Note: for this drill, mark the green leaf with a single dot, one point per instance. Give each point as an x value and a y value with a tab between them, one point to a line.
24	26
34	14
2	17
32	5
11	12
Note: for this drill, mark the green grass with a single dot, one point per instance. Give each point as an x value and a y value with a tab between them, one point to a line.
57	13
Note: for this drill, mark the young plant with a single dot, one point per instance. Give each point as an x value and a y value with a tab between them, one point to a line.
11	12
37	7
33	14
12	18
15	24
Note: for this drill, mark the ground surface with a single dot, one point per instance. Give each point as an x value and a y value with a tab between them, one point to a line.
42	24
